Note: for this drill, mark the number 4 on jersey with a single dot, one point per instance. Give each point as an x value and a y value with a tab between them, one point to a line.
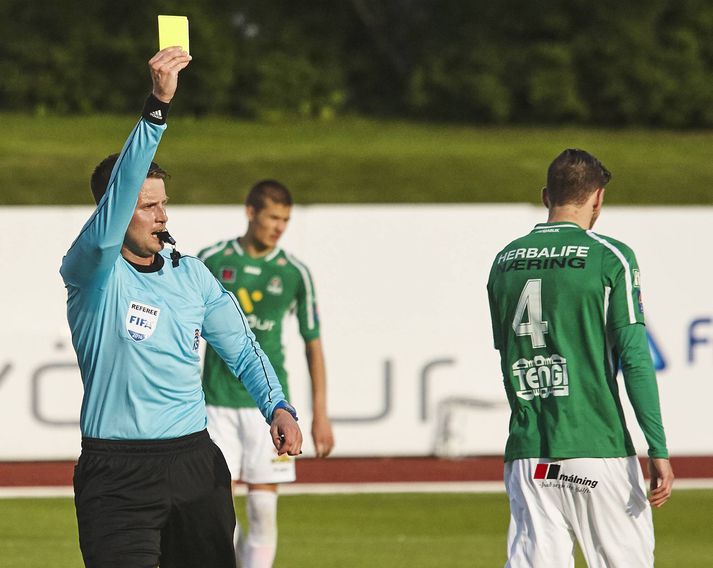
531	300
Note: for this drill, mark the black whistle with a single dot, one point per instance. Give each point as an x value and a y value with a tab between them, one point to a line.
165	236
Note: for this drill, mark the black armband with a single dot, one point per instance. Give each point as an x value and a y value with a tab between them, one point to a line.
155	111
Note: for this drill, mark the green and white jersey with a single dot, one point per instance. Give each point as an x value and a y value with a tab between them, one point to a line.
558	295
267	288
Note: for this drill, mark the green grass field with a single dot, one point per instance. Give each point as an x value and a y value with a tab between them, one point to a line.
380	530
48	160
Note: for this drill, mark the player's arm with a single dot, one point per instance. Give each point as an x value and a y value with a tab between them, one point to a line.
494	314
309	330
627	330
640	381
321	426
98	245
228	332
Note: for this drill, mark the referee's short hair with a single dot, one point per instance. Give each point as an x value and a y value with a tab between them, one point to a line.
268	189
573	176
100	177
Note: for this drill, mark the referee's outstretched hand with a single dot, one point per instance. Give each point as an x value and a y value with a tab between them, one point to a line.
286	434
661	481
165	66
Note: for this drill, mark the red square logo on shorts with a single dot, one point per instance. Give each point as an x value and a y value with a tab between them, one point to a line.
540	471
546	471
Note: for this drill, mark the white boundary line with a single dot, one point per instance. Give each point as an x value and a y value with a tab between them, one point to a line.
348	488
394	487
35	492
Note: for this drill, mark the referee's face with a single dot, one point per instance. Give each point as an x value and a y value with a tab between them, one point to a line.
140	241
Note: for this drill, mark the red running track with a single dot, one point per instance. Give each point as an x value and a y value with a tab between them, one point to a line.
347	470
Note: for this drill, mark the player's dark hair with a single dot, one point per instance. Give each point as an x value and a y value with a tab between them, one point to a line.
268	189
573	176
100	177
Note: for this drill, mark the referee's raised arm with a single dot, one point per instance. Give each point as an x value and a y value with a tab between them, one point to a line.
117	181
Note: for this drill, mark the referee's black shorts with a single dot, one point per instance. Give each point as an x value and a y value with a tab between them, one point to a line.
144	503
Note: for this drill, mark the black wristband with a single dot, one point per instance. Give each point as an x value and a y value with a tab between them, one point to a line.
155	111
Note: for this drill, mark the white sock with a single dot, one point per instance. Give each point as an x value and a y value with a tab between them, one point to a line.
239	545
261	543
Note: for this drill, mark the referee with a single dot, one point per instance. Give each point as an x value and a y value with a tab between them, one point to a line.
150	486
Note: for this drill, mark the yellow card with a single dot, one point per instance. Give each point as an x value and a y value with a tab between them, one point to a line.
173	30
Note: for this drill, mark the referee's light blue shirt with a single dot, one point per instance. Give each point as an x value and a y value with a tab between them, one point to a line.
136	333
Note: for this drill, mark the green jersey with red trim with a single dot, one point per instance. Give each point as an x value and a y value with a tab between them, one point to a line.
566	308
267	288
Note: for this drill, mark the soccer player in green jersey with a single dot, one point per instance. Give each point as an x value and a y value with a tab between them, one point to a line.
567	314
268	282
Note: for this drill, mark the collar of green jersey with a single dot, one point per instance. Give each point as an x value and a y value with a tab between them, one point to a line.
556	225
241	251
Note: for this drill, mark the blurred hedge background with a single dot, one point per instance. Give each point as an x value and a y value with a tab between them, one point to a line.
639	62
354	101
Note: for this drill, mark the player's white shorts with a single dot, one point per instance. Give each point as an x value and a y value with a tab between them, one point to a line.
599	502
244	438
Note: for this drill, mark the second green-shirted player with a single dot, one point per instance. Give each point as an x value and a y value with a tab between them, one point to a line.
269	284
268	288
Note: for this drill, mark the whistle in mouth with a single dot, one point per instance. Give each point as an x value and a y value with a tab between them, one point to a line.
165	237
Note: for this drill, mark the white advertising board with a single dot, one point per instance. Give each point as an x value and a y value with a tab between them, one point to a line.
404	318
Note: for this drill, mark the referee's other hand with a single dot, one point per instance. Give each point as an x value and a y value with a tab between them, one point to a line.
165	66
661	481
286	434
